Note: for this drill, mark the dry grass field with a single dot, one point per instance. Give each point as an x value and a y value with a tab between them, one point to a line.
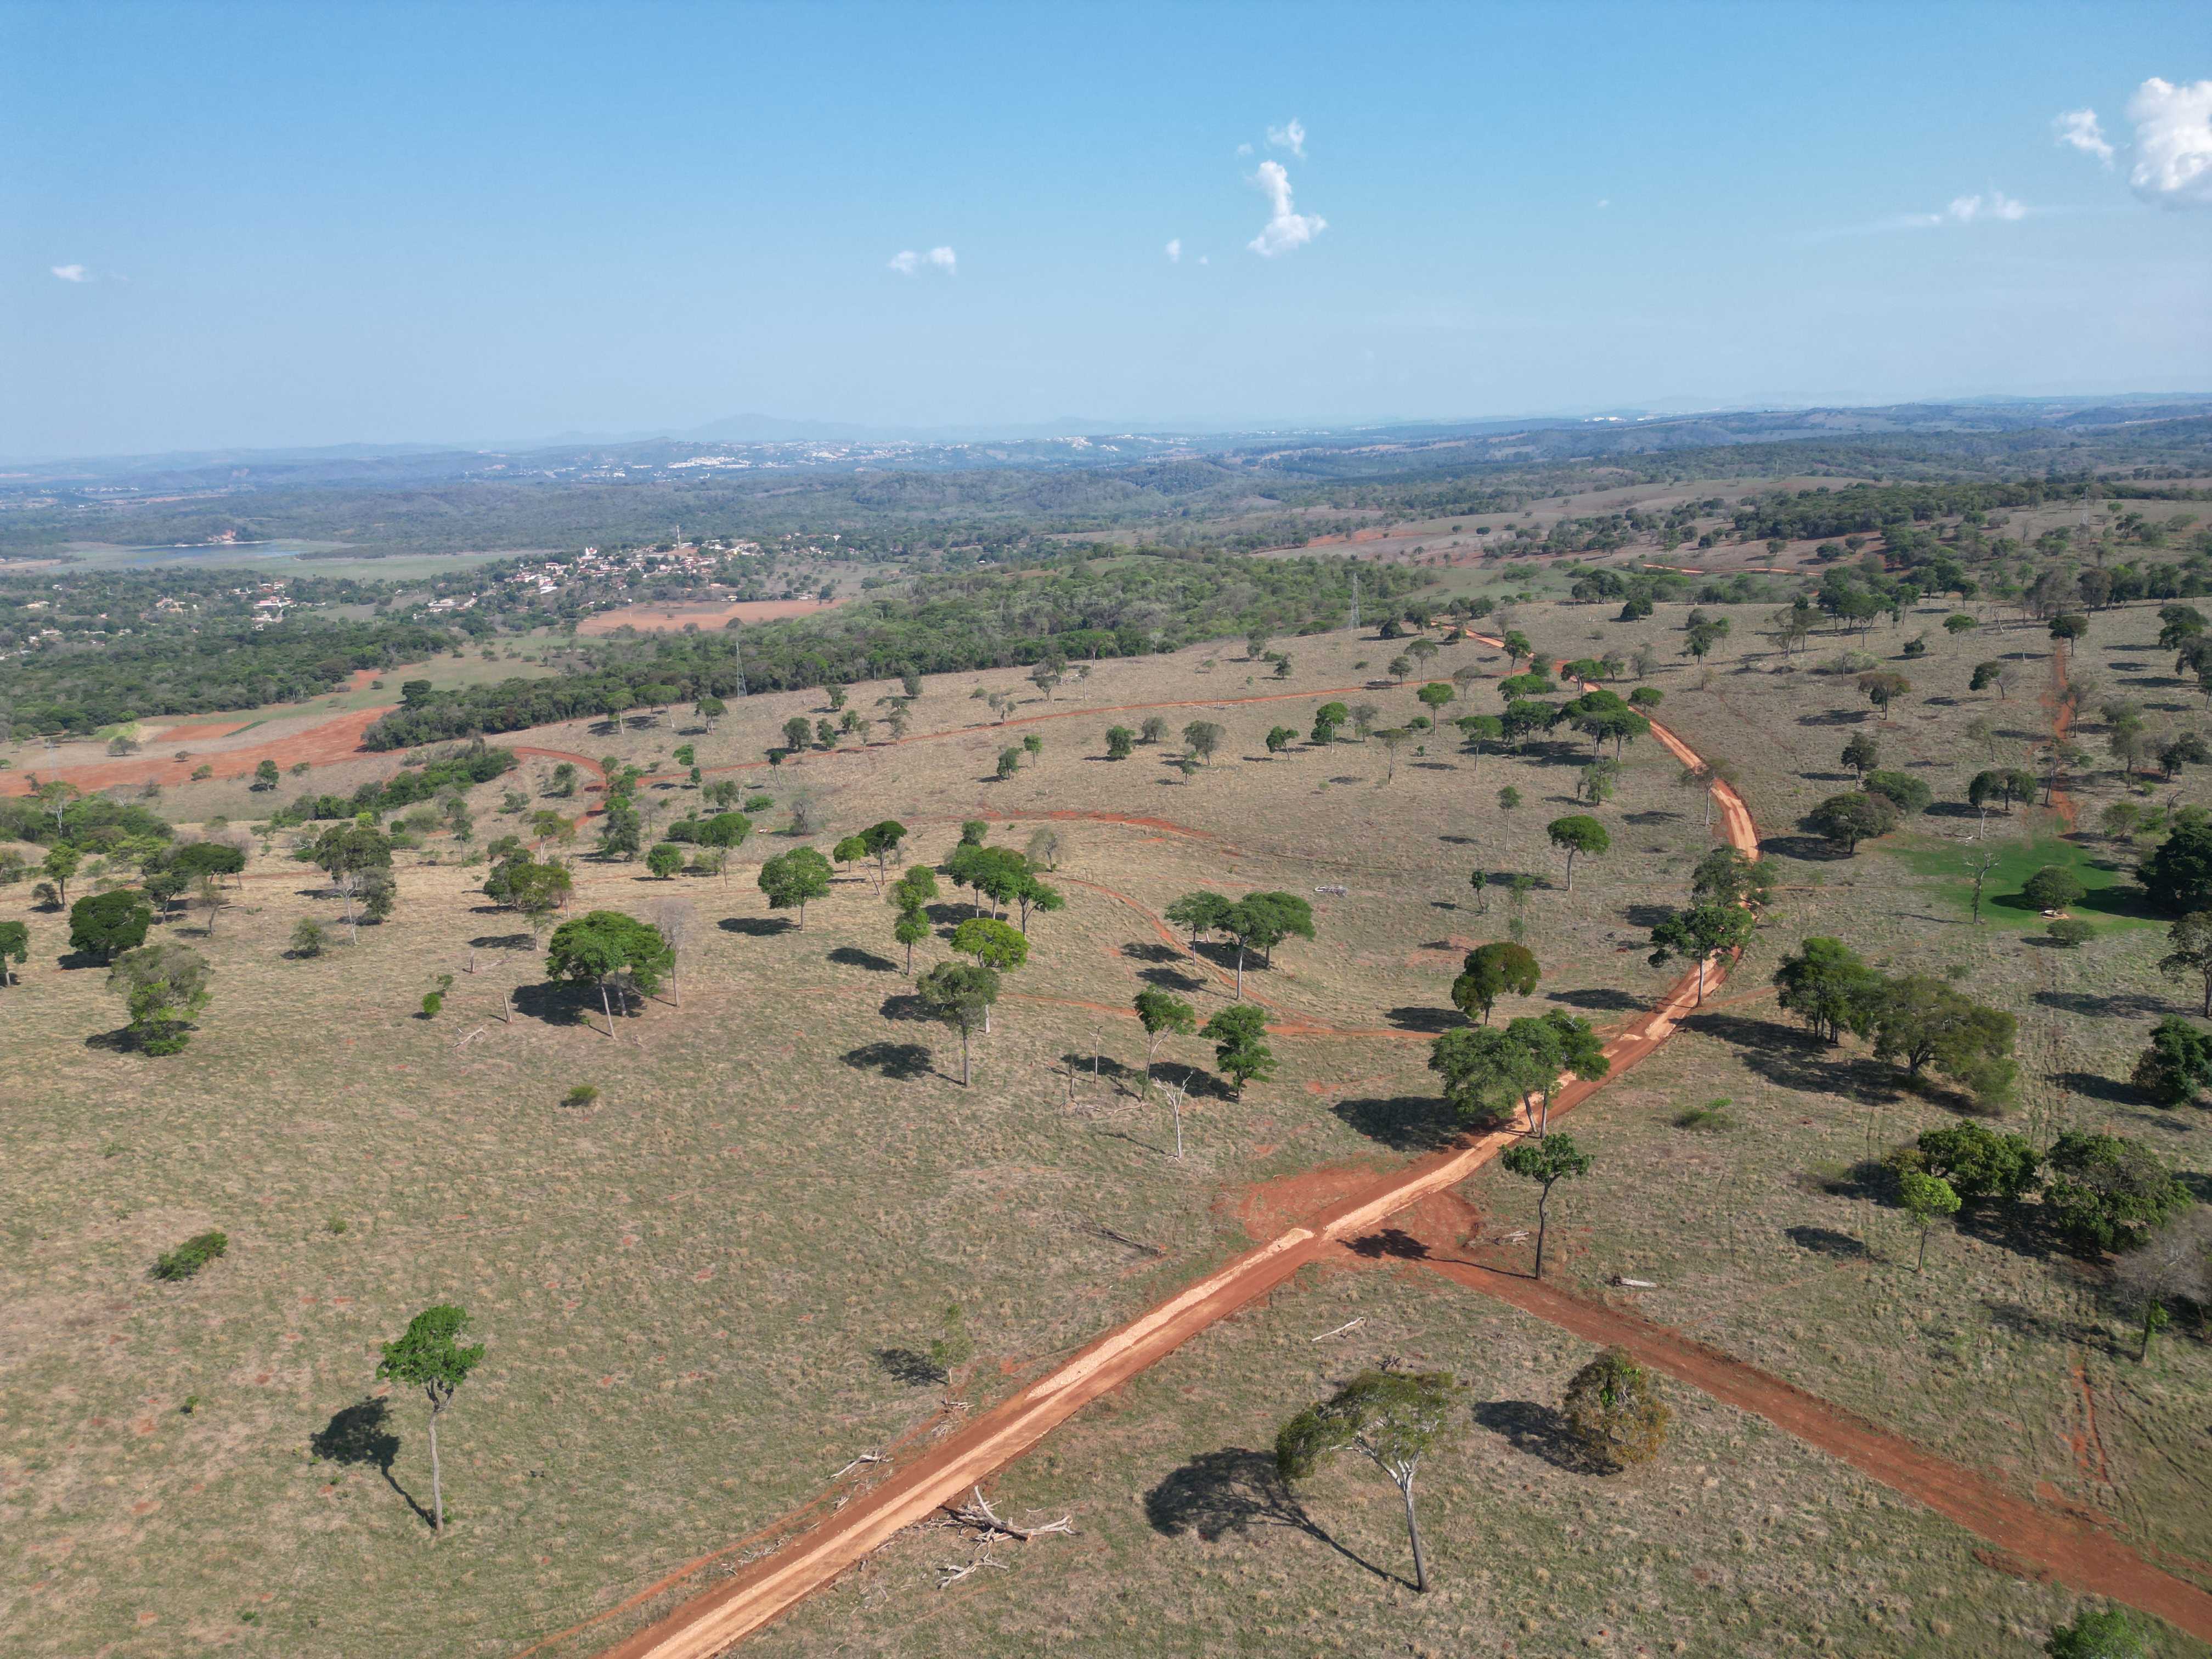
716	1284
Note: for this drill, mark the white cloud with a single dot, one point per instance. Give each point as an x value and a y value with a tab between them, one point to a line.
1175	250
1243	150
908	263
1285	230
71	273
2173	143
2079	128
1291	135
1965	209
1605	201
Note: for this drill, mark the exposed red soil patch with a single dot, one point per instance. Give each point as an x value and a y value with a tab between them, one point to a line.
669	618
335	739
2061	730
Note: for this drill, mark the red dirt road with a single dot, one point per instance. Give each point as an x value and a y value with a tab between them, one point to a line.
2057	1545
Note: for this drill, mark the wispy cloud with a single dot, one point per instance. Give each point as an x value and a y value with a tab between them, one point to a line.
1285	230
1243	150
2079	128
1965	209
908	263
71	273
1175	250
2174	143
1977	209
1291	135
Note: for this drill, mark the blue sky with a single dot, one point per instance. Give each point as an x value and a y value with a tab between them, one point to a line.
230	225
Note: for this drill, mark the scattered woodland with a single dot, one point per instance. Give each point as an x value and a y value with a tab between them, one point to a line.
536	1145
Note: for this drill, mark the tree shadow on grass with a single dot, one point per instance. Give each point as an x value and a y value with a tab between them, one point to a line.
2096	1087
1537	1430
905	1005
2019	1319
852	955
502	942
902	1062
1827	1241
2119	1005
1238	1490
359	1436
555	1003
1645	915
121	1040
1805	849
1151	951
1797	1059
910	1366
1432	1021
1168	979
1404	1124
1599	1001
757	927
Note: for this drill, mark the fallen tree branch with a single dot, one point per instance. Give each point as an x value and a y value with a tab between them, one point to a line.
978	1513
1348	1325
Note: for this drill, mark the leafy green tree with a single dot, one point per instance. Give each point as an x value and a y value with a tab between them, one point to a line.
60	864
1906	792
1477	729
1978	1163
1201	913
604	948
1391	1418
1926	1199
1237	1033
165	988
1280	738
308	938
1725	876
2177	876
15	947
958	994
429	1356
1613	1411
1327	719
1202	738
1163	1015
1699	932
1261	921
795	878
1155	729
1436	695
2189	953
2108	1194
1577	835
1548	1160
2054	887
1922	1021
882	840
1881	688
2176	1066
1830	987
724	833
1489	972
1862	753
798	733
2109	1634
1010	762
998	947
267	776
1847	820
621	829
1487	1073
665	859
106	924
1121	741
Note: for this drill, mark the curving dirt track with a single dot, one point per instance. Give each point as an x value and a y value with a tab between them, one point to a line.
712	1622
2058	1546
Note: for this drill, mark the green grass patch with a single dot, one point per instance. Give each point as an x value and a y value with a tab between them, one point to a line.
2112	898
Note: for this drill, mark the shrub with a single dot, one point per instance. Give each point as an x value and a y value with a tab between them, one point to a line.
2070	932
1903	790
2053	888
759	802
1615	1412
2107	1194
582	1095
309	938
189	1257
1713	1114
1978	1163
431	1002
2177	1065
